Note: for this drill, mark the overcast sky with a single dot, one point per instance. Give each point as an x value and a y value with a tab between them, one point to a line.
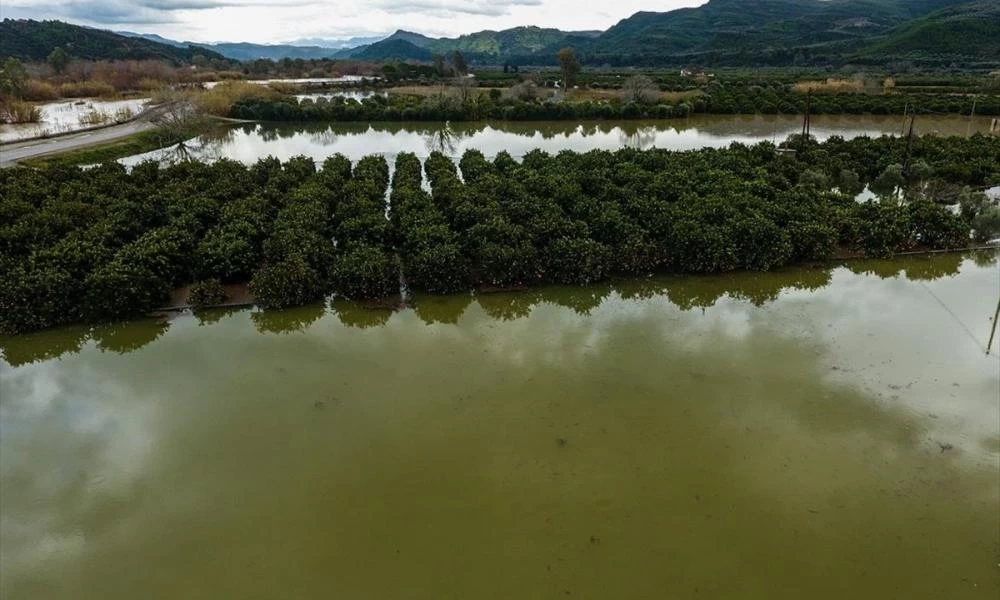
269	21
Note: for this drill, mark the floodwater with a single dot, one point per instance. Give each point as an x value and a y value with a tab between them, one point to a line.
355	140
306	81
351	94
813	433
69	115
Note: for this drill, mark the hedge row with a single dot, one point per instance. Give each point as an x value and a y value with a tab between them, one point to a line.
108	243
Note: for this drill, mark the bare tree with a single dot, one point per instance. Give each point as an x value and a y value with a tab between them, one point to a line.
640	89
463	88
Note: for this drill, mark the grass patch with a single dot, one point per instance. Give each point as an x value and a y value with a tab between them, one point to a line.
144	141
831	86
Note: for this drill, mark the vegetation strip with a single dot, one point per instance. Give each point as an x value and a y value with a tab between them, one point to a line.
468	105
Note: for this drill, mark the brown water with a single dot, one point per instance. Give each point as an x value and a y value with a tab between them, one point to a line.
355	140
804	434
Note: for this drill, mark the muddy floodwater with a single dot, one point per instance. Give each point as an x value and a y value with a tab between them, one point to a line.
252	142
813	433
70	115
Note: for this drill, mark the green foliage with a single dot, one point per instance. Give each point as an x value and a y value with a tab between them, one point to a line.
208	292
365	271
987	223
58	59
35	297
13	77
120	289
291	282
523	102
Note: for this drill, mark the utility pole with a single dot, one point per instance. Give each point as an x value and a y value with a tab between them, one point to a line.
972	117
805	118
996	314
906	110
909	145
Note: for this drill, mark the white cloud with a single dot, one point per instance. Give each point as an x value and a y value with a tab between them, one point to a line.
268	21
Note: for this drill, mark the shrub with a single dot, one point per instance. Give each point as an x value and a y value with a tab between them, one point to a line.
38	91
15	111
36	298
365	271
987	224
291	282
85	89
208	292
120	289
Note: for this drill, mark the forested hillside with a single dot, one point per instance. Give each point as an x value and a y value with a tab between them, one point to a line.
34	40
971	29
748	32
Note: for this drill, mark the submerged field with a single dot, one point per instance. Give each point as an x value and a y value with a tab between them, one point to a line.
814	433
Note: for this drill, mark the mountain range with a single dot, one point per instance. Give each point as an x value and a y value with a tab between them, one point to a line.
720	32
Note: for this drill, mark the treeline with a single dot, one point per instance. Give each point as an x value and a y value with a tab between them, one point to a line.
107	243
720	100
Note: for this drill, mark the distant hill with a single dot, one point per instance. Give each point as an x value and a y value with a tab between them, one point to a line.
417	39
153	37
734	33
336	43
398	49
518	41
751	31
483	46
31	40
248	51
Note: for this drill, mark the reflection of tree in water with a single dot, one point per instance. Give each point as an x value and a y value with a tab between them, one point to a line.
440	309
444	140
640	289
924	269
581	300
211	316
127	336
360	315
286	320
206	147
883	269
702	291
43	345
985	258
639	138
324	137
507	306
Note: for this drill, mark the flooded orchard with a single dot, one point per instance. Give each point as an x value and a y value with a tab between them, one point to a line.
811	433
252	142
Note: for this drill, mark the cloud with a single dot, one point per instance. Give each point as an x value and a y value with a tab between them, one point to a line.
144	12
491	8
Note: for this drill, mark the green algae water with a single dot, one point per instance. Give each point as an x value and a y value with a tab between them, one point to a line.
813	433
